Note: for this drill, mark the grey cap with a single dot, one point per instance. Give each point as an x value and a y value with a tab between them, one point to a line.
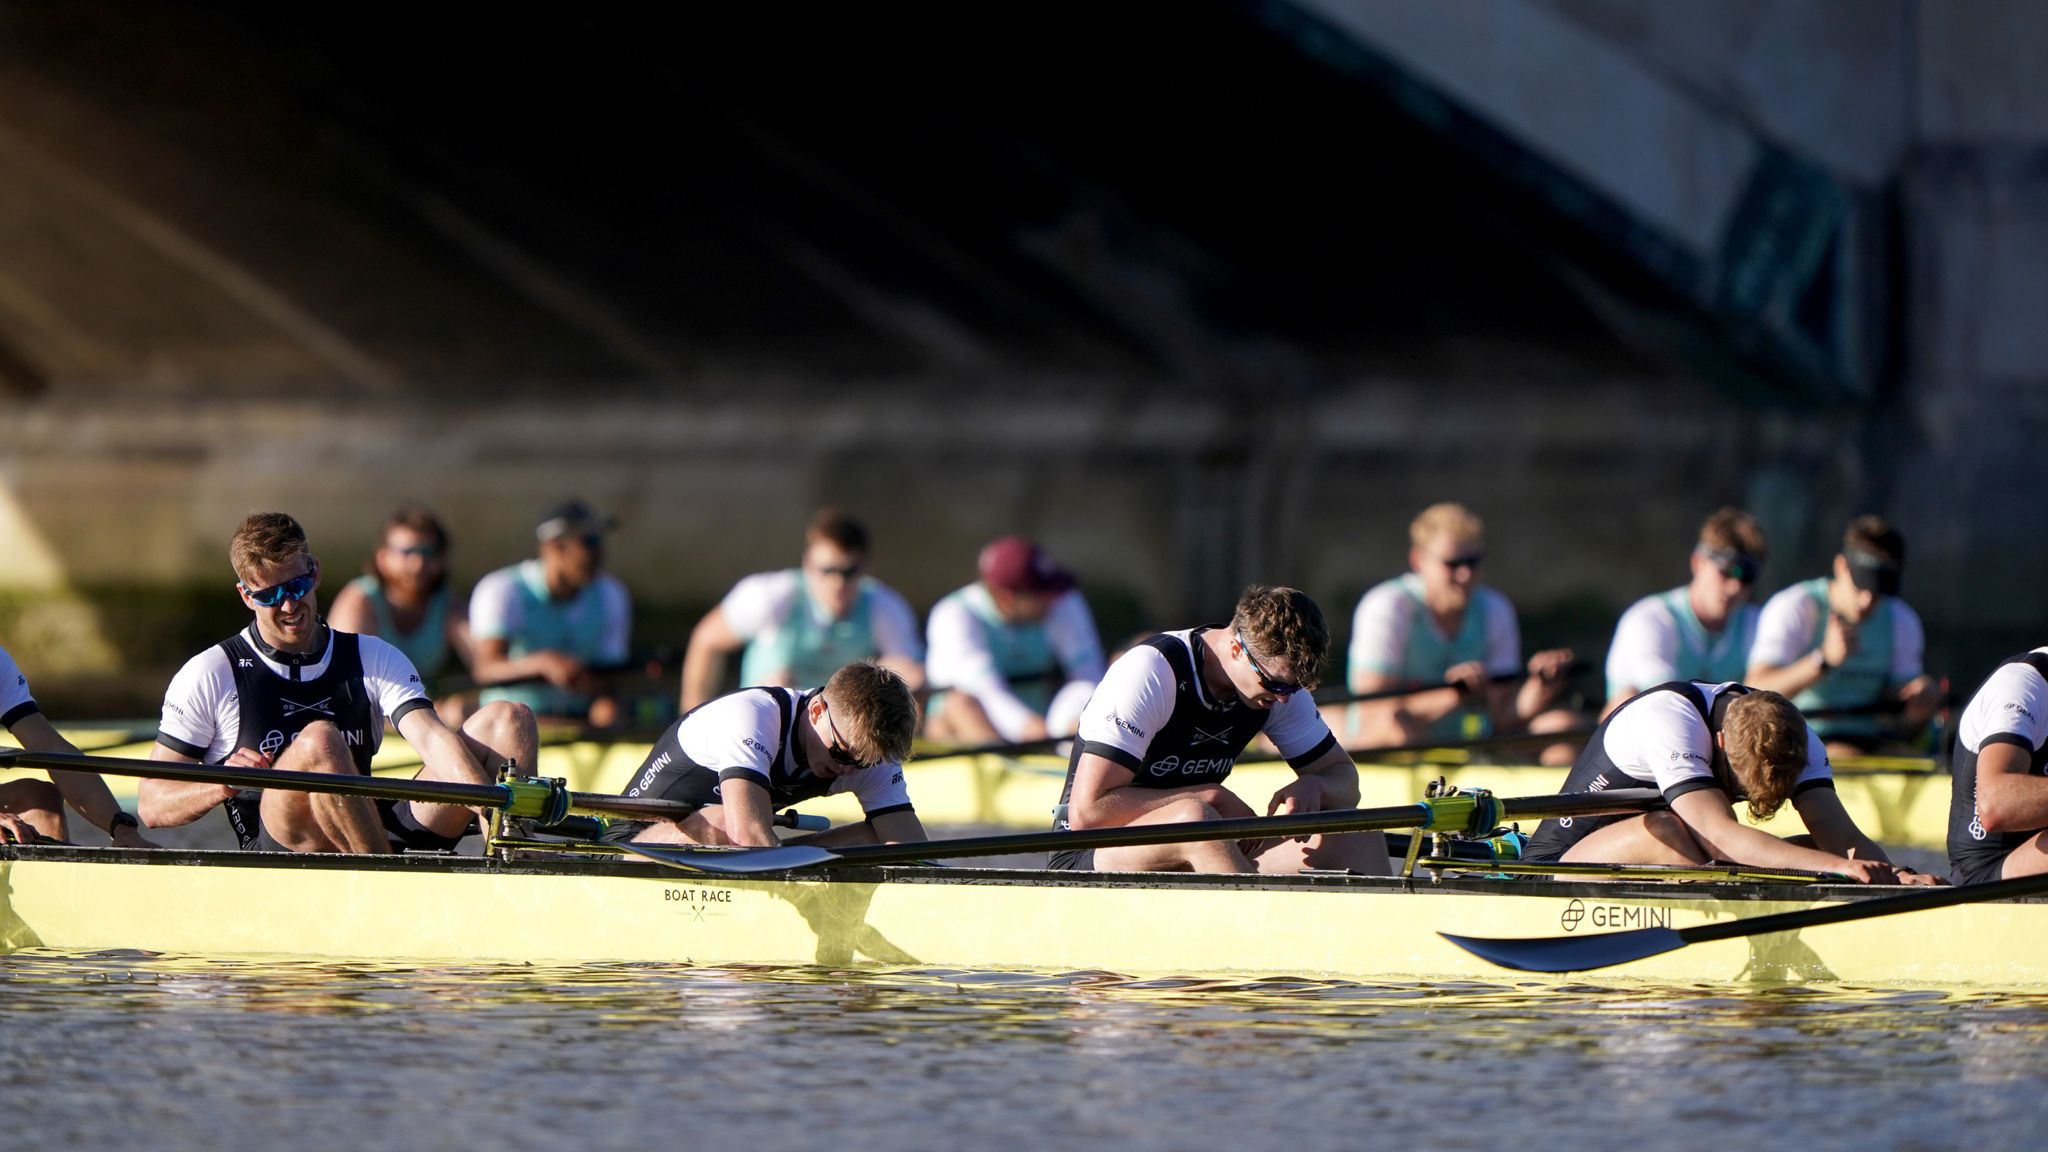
572	518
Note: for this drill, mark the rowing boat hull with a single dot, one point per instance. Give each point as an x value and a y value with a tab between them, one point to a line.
440	908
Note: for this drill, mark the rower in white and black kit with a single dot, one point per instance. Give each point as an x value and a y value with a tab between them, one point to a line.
35	808
291	693
743	756
1166	725
1706	746
1998	804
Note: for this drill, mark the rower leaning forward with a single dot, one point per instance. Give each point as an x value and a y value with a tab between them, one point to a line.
289	692
1164	729
31	808
1998	806
1706	746
741	757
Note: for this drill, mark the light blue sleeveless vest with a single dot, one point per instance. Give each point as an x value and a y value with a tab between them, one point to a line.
812	650
574	626
1429	655
426	646
1861	679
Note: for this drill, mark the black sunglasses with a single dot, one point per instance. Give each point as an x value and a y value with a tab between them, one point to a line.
837	749
1470	560
1277	687
1737	566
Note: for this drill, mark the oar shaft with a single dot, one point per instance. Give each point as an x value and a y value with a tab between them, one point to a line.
1450	813
1921	901
533	798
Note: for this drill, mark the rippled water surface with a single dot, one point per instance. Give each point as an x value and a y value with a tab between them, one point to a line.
121	1050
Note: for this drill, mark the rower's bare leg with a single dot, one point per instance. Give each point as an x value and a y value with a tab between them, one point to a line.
962	718
1652	838
318	821
704	826
1196	856
38	804
2029	859
1361	852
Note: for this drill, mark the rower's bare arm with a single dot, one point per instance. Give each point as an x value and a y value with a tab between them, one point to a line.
1545	683
495	665
898	827
1337	777
1835	831
749	818
1708	814
1838	641
2009	797
1402	720
85	792
170	803
351	612
710	642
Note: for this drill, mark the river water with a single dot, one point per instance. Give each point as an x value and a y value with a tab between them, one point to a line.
137	1051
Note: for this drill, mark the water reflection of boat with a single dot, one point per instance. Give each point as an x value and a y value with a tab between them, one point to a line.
569	910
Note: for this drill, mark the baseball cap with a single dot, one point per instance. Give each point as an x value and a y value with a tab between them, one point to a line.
1871	572
1016	564
572	518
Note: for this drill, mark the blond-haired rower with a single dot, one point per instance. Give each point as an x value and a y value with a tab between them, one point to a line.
291	693
740	758
1702	631
1165	727
1706	746
1439	625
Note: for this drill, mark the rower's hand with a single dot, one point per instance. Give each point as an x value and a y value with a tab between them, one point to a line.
1550	665
1867	871
126	837
245	758
15	830
1916	879
1922	698
1838	643
564	671
1469	678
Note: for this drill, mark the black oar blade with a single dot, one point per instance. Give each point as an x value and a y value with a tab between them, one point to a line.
1571	953
729	863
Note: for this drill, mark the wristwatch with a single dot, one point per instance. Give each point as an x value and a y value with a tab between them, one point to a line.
123	819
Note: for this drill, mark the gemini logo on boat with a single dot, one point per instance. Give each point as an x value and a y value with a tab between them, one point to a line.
1612	916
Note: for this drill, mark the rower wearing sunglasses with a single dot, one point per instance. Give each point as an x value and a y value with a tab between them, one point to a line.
1165	727
1438	625
744	756
1846	641
1702	631
403	595
800	625
291	693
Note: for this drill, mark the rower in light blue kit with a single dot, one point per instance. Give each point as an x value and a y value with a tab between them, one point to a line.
1439	625
800	625
558	617
1015	654
1702	631
1846	641
404	597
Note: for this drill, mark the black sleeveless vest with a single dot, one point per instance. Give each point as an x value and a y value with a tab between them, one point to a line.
1971	847
790	781
1198	744
275	710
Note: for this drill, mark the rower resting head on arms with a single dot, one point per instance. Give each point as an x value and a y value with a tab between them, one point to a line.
744	756
1164	729
288	692
1706	746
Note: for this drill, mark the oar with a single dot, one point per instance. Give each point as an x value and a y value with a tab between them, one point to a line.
546	801
1606	949
1575	668
1470	814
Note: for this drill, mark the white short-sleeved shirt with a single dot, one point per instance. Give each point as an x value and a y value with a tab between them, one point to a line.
961	658
1384	639
758	604
1785	633
16	704
1661	739
2012	704
203	711
600	616
1138	694
741	734
1648	648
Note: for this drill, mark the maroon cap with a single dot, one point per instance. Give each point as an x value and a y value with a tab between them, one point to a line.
1015	564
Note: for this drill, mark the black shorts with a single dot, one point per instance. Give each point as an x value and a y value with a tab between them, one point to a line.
1072	860
1978	868
689	784
407	833
1553	838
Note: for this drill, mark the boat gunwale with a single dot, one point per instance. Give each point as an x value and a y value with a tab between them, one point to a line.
930	874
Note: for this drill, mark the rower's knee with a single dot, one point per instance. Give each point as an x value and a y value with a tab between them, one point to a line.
502	723
22	797
1187	810
321	747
